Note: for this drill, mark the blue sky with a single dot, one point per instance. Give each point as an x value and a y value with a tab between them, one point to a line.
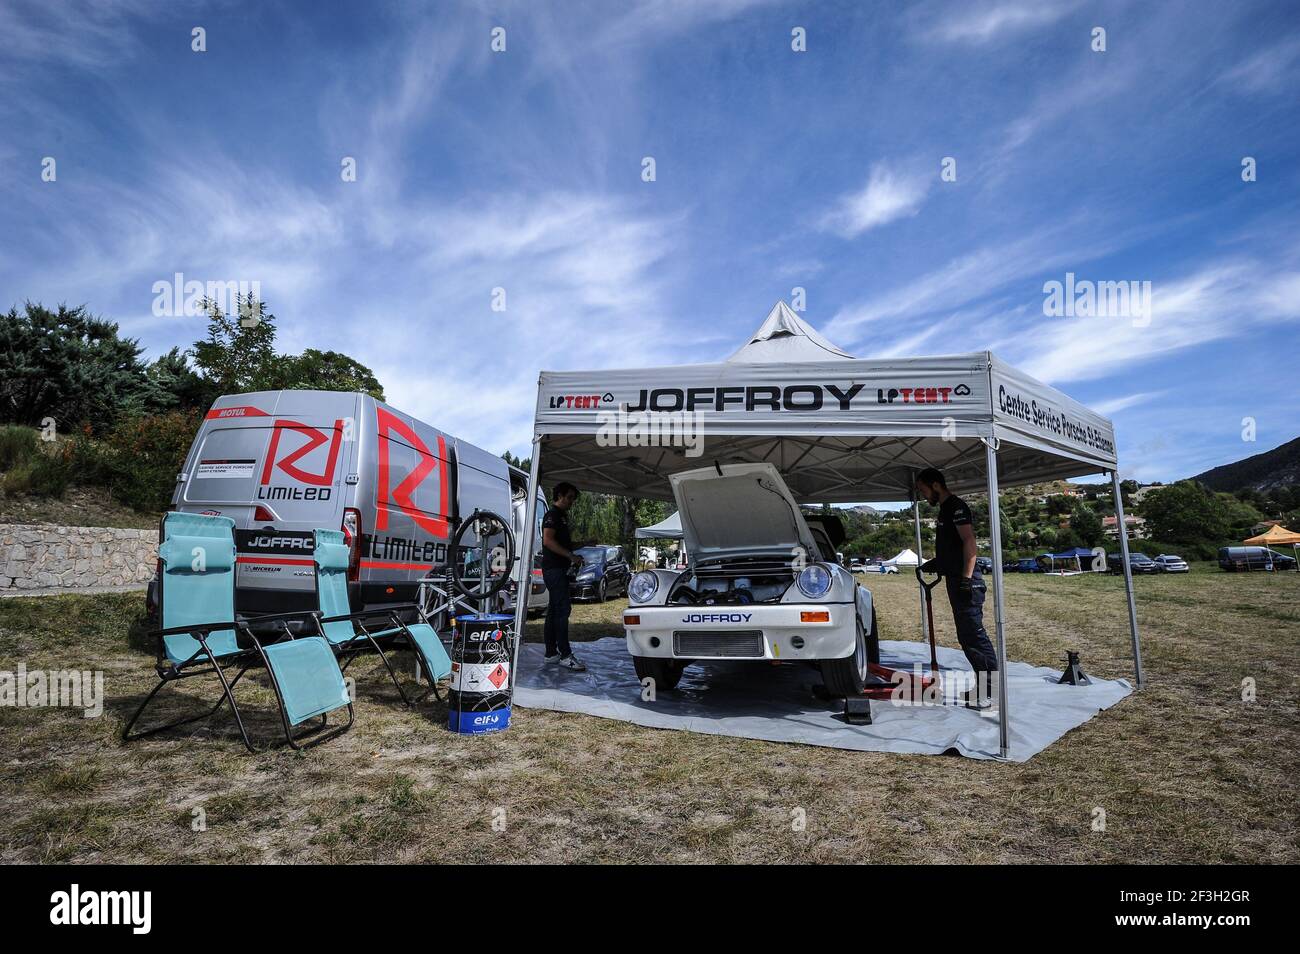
775	169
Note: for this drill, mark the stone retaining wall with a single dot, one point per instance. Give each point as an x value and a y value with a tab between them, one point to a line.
42	556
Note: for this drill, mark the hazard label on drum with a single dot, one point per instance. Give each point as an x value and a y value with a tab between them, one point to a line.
479	677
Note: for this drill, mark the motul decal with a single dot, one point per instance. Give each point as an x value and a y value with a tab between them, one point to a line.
399	498
315	438
219	413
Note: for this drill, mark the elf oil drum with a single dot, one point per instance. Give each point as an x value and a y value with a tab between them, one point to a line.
479	700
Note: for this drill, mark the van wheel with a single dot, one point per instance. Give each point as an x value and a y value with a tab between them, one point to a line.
847	676
665	672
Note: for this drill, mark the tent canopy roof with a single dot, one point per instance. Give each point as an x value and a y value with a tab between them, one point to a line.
784	336
1276	535
667	529
838	429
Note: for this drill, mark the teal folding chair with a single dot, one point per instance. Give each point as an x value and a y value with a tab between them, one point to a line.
199	637
348	633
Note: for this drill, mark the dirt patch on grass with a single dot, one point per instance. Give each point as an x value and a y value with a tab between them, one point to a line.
1184	771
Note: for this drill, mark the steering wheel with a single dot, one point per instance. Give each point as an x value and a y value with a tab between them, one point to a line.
500	558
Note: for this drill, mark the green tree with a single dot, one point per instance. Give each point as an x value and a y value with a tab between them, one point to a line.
320	371
1086	525
1187	512
239	351
67	365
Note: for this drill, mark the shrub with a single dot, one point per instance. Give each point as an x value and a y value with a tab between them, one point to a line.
145	453
17	445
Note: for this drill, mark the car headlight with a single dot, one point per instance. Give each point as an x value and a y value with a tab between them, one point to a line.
643	587
814	581
586	574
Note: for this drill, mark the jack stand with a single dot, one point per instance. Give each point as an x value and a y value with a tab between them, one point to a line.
1074	674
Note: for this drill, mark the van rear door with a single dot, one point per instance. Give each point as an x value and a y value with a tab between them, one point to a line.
278	464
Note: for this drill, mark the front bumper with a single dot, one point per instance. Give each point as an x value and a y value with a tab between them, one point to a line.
586	590
778	631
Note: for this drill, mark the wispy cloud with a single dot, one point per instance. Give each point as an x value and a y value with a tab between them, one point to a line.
1115	405
889	194
1186	312
989	21
1271	70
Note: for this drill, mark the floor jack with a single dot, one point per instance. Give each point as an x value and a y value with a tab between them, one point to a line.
884	683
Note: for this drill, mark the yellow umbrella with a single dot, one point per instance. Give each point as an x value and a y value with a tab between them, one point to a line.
1277	535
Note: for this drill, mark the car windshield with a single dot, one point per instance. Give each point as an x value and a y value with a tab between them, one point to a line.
1142	557
591	554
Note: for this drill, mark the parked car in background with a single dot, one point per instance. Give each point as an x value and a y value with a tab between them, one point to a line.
604	573
1232	559
1028	565
1137	562
984	564
1168	563
857	566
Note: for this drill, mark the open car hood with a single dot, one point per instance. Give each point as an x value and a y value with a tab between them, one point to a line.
739	508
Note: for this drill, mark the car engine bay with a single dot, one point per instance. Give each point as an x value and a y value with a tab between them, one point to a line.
733	583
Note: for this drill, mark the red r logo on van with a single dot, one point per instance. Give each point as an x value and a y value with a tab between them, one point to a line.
315	438
399	497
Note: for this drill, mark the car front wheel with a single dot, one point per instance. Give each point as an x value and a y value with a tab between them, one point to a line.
848	676
666	673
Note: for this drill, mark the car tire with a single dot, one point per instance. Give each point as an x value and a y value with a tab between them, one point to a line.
665	672
600	592
847	676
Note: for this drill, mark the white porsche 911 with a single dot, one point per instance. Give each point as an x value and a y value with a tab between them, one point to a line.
763	584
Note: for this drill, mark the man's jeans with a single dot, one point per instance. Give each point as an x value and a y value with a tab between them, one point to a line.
968	614
556	631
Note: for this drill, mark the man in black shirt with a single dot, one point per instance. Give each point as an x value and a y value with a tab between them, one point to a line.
954	560
557	557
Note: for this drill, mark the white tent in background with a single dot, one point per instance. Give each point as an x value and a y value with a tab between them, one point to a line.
904	558
670	529
839	429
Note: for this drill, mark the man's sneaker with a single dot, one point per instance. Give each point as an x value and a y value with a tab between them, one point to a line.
573	662
551	660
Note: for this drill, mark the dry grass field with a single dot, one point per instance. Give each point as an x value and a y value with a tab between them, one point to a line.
1185	770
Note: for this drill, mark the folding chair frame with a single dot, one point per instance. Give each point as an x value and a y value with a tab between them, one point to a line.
349	650
169	672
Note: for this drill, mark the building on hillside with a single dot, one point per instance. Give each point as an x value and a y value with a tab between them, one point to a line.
1133	524
1263	526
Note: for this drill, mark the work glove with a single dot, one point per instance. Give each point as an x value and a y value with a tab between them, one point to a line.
964	586
930	566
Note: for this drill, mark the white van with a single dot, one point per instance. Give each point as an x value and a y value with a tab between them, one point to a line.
284	463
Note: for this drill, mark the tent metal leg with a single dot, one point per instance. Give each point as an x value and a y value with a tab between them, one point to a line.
1128	576
526	558
920	556
995	538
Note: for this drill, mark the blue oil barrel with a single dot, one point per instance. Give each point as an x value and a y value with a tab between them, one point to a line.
479	700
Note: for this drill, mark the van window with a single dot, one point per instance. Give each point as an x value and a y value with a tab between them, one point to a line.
227	465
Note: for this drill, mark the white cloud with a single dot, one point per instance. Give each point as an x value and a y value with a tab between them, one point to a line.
1117	404
1219	301
991	21
1267	71
887	196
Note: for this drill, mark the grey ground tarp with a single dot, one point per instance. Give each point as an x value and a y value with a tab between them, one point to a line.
776	704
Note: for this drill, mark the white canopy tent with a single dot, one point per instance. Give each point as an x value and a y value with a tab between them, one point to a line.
669	529
904	558
839	429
